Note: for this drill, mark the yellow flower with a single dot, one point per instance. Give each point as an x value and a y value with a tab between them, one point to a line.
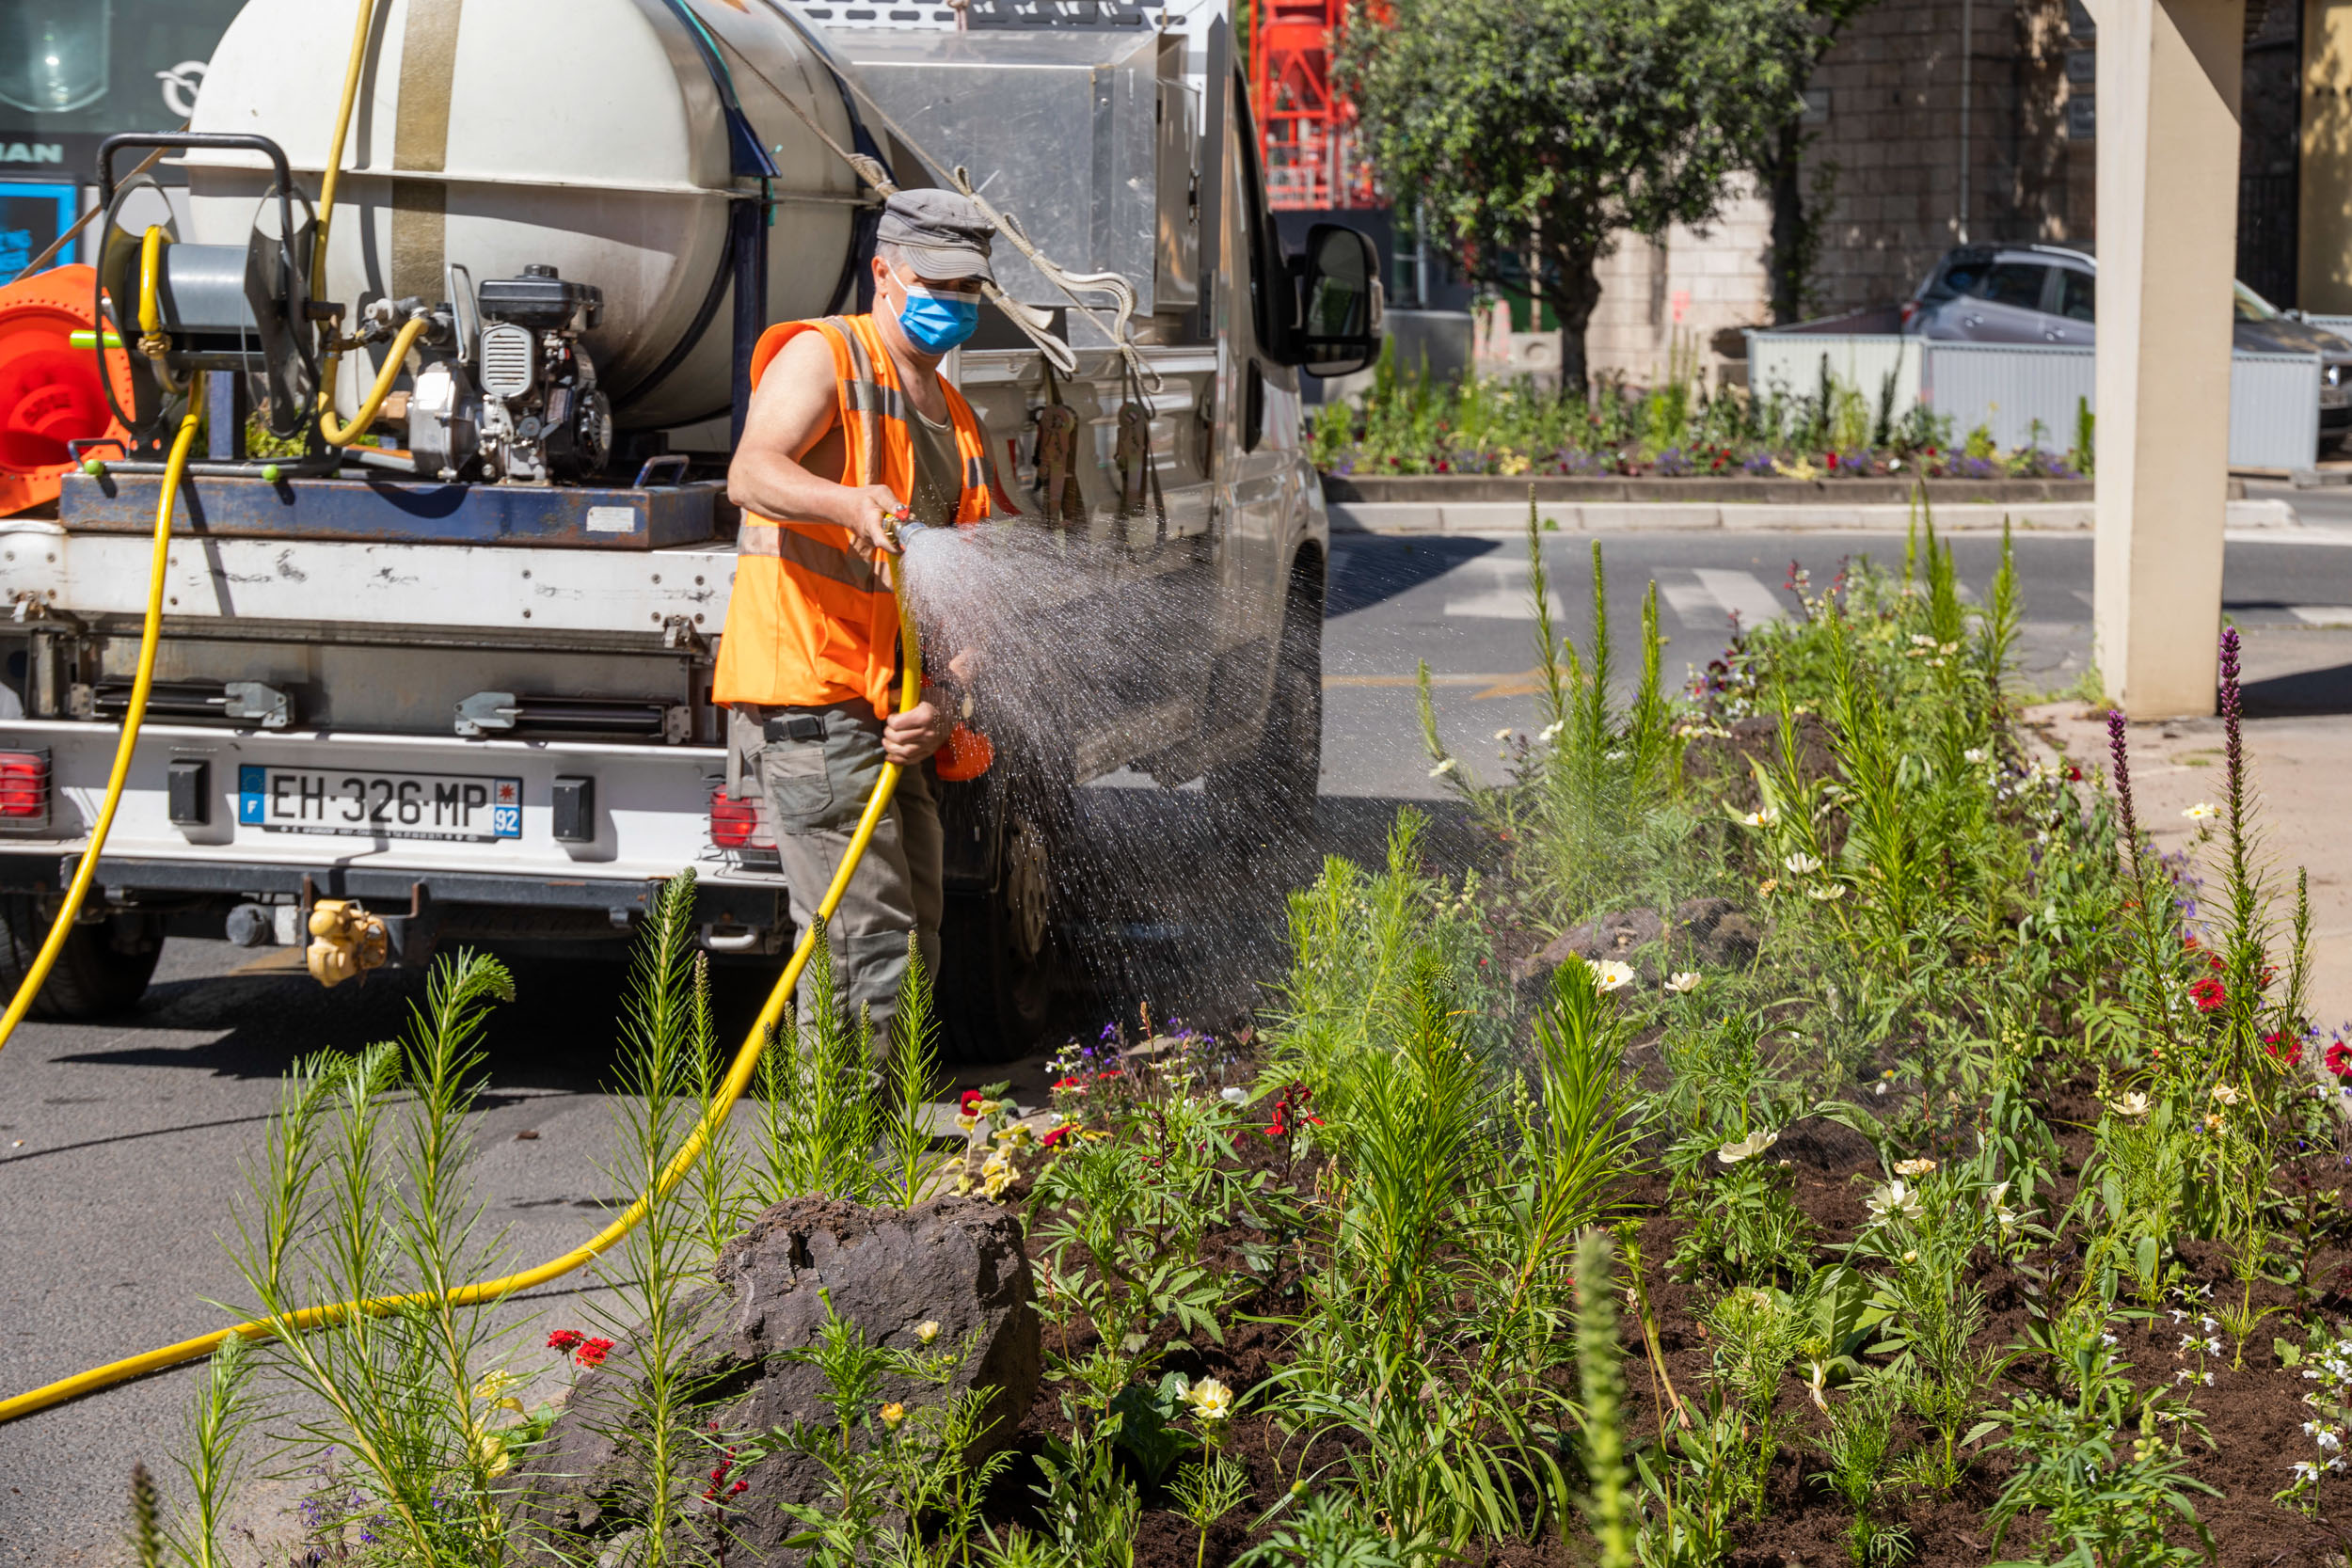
2212	1121
968	1121
927	1331
1768	886
2224	1093
1210	1400
1747	1148
892	1414
2132	1104
1443	767
491	1448
1915	1167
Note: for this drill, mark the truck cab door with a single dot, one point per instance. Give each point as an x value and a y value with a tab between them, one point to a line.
1259	471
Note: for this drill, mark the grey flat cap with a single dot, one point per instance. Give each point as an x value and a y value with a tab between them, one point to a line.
946	233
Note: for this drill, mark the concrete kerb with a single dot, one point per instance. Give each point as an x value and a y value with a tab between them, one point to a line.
1750	517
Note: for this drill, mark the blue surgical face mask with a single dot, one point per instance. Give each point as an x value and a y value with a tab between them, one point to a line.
933	321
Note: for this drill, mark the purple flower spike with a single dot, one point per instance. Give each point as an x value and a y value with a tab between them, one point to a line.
2118	751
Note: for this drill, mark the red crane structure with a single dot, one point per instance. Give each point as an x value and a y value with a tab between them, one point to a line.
1305	130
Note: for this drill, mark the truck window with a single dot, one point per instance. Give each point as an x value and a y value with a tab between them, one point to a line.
1269	318
2079	295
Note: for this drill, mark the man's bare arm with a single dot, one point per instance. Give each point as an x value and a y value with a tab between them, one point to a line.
792	410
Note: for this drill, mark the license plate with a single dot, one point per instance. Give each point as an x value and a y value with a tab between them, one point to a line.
379	805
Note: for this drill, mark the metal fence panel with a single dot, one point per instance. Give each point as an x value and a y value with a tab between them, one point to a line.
2274	410
2012	389
1790	363
2340	325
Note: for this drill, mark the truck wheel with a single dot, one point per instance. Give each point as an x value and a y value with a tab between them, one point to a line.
996	958
1272	791
103	969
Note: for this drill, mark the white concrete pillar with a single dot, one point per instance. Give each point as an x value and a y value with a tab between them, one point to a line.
2168	151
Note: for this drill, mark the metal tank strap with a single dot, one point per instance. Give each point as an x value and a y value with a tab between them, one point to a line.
746	156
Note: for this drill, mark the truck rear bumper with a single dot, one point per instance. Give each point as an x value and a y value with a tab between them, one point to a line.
647	819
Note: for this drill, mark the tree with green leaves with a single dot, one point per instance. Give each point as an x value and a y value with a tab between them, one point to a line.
1527	134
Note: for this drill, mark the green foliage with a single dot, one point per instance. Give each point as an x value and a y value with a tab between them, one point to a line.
1540	128
891	1463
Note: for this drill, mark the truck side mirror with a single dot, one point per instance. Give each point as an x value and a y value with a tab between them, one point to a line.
1341	301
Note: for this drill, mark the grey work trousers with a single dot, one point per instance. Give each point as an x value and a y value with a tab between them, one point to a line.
817	787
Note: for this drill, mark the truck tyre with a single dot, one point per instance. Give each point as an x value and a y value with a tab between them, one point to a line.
997	955
103	967
1271	792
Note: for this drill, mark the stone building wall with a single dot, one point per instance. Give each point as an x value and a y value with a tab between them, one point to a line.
1888	141
1885	153
1682	294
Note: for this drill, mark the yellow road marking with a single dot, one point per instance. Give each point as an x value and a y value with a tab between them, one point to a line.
1525	683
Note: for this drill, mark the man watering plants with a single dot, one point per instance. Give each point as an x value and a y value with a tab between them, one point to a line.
850	430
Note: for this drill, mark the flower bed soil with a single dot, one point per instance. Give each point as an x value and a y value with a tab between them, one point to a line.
2255	1415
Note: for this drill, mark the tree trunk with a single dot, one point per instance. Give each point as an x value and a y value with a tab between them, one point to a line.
1782	180
1573	299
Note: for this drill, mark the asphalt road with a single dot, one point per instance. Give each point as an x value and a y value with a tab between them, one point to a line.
121	1141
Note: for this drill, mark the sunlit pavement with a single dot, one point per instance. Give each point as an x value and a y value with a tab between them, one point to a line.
120	1140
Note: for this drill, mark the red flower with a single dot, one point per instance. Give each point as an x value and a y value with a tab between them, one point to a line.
592	1352
2210	995
970	1102
1058	1135
1071	1083
2074	774
2339	1059
2291	1055
564	1340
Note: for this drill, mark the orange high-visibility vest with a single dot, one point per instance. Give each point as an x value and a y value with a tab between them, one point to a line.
811	622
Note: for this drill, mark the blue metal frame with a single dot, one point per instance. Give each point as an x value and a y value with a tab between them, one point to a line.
67	197
390	509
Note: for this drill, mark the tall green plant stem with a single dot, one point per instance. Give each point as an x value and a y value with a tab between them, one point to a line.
1600	1377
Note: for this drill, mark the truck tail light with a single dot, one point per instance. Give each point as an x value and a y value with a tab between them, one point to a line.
1911	309
23	786
732	823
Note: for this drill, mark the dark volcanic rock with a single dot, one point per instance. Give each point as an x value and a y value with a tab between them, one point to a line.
955	1261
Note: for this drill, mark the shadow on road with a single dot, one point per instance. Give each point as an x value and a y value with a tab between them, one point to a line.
1168	915
1360	578
2304	693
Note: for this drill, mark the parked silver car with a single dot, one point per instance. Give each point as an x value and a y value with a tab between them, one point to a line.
2041	293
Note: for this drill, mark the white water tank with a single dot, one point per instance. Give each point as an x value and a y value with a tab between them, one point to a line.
588	135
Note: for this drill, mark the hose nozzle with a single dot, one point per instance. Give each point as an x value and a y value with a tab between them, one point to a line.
902	527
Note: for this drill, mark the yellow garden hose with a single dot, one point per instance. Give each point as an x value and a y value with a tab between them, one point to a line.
151	633
343	435
738	1078
365	24
151	340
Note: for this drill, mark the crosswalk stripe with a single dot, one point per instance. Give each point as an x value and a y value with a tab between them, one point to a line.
1740	593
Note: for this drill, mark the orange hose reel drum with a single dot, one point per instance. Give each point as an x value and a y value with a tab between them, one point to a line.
49	390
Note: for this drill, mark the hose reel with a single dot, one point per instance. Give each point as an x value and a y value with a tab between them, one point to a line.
218	307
